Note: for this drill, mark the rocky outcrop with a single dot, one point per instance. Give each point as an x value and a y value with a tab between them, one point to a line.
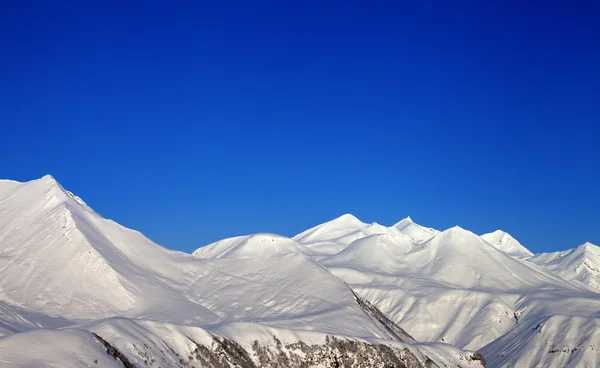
224	353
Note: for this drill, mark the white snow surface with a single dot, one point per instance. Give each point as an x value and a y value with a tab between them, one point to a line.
474	292
415	231
504	242
580	264
65	272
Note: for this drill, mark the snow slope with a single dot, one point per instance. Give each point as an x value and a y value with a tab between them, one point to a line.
506	243
141	343
553	341
257	246
457	287
60	258
580	264
415	231
80	290
64	266
334	236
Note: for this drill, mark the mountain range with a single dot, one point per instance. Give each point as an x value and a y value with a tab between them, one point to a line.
77	289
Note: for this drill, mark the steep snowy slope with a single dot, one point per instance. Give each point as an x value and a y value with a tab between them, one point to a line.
555	341
60	258
63	265
580	264
506	243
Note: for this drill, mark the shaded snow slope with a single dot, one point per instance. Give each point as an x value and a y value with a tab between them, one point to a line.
579	264
554	342
506	243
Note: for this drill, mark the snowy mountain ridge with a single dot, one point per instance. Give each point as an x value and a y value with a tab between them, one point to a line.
504	242
79	290
76	288
580	264
480	293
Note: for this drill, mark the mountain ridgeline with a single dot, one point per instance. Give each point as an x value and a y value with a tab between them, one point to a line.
78	290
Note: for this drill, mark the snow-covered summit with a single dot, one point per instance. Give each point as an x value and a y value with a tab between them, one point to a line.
256	246
331	230
579	264
417	232
504	242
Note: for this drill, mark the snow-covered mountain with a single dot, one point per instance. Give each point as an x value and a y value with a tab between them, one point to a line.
506	243
415	231
473	292
333	236
80	290
581	264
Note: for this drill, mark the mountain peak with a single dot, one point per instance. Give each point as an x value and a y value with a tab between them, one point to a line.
454	230
47	181
404	222
332	229
589	247
415	231
46	190
48	178
253	246
579	264
347	217
506	243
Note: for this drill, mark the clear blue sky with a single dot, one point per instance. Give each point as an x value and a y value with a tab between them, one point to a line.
193	122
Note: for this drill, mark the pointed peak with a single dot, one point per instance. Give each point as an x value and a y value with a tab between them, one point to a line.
497	235
332	229
506	243
404	222
501	236
53	188
48	181
587	246
456	235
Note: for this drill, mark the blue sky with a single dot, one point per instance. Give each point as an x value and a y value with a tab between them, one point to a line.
192	121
